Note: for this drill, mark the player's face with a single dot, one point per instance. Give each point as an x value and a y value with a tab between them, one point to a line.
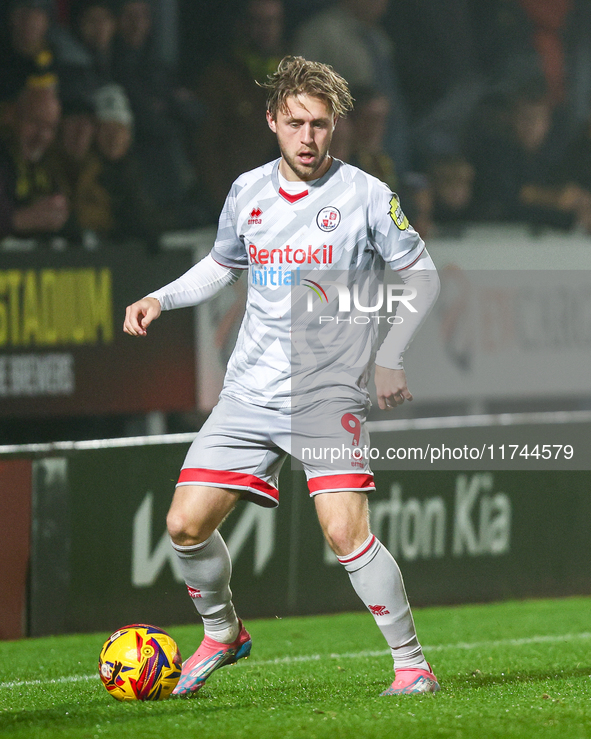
304	132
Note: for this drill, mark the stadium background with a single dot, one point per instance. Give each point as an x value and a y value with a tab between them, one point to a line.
82	520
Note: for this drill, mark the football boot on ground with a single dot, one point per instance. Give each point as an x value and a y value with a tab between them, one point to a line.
210	656
413	680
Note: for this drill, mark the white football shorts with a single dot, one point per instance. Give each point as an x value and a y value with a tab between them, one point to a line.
243	447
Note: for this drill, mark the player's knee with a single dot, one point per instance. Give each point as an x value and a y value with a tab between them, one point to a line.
340	538
183	530
345	535
176	525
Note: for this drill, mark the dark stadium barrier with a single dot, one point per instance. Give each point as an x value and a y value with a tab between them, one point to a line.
62	351
100	556
15	526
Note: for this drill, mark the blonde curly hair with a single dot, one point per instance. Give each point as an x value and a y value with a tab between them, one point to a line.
297	76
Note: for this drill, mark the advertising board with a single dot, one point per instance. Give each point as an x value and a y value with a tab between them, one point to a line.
62	348
459	536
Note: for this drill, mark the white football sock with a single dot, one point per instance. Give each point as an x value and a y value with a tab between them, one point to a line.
376	578
207	569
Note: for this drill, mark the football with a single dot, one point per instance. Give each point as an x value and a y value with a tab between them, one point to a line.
140	663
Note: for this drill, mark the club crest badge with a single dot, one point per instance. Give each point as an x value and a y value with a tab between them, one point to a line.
328	218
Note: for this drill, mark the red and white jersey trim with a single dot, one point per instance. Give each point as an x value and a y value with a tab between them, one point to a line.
231	480
356	482
292	197
414	261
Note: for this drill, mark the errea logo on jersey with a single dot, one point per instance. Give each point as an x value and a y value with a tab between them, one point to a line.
255	216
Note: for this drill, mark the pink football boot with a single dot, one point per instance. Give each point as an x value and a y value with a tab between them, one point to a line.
413	680
210	656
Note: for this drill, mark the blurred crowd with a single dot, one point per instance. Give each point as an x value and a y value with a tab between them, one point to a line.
472	110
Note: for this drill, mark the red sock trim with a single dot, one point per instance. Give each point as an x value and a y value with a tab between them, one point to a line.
346	560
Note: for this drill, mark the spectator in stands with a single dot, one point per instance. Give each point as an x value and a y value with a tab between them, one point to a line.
560	35
108	195
518	40
77	130
24	51
149	82
37	48
30	202
435	46
350	37
95	25
167	117
443	81
516	152
341	146
452	192
574	194
504	43
135	23
114	133
73	162
368	121
235	137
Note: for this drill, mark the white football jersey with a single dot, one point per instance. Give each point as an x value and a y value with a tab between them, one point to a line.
300	339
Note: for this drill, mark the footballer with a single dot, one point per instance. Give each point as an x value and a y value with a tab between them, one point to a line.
304	224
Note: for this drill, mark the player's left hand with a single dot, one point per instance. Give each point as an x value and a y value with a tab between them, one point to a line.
391	387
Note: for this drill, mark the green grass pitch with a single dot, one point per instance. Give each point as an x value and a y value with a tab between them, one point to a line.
516	669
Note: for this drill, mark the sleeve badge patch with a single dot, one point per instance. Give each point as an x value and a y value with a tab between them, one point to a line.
397	215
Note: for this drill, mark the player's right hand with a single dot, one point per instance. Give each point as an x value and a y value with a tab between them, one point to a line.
140	315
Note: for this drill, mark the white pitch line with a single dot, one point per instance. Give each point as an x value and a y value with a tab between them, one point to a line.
345	655
436	648
52	681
